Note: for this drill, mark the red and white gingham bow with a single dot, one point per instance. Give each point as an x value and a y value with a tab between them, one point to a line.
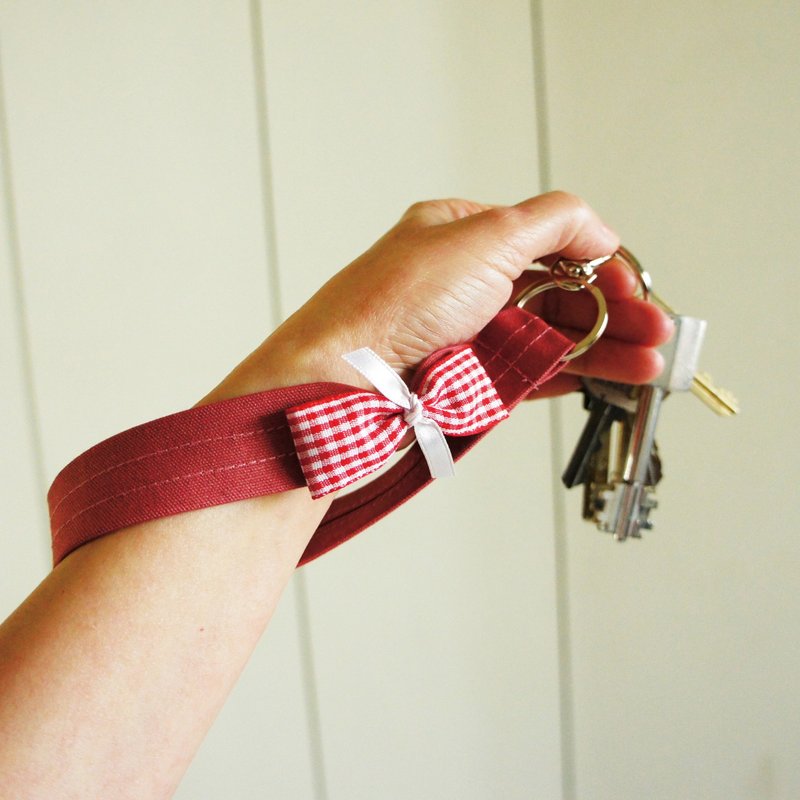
343	438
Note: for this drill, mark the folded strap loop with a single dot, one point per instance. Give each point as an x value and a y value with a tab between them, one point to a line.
242	448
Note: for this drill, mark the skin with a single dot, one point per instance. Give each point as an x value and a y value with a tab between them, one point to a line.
114	668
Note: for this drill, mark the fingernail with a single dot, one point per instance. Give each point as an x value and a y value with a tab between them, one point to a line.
658	363
669	327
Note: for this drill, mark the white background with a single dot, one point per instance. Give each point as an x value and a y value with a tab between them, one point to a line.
177	176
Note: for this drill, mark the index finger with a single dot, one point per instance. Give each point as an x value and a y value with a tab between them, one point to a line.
556	222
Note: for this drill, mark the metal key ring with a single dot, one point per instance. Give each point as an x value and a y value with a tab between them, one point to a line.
641	274
566	270
602	310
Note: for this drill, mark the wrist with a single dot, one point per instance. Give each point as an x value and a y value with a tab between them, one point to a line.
286	359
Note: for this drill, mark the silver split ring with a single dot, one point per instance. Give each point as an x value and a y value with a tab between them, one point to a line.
573	285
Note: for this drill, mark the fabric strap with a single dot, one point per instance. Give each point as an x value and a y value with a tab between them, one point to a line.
242	448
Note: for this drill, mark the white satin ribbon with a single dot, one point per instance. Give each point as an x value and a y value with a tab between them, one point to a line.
431	440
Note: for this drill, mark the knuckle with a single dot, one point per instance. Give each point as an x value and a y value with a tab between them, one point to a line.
442	210
576	205
419	205
419	213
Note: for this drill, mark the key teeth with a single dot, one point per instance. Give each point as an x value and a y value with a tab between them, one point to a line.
649	500
647	504
606	512
605	504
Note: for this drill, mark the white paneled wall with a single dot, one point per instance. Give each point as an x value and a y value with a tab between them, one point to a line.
25	551
178	175
133	140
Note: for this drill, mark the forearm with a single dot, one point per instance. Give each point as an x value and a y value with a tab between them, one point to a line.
114	668
112	671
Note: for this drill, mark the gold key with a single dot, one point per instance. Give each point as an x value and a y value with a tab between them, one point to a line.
719	400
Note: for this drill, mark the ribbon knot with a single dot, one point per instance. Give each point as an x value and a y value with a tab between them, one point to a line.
343	438
416	412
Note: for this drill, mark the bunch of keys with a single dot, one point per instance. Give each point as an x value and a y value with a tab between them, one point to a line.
616	458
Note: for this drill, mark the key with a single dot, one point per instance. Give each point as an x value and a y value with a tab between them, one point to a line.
719	400
625	466
605	470
626	506
602	415
599	458
631	501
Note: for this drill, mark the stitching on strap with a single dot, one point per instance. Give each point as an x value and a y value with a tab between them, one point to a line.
496	353
174	479
512	365
165	450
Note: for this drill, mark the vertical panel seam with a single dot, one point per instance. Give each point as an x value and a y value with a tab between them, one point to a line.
265	163
299	581
21	321
565	680
310	685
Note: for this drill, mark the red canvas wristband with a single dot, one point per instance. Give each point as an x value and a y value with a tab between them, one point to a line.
242	448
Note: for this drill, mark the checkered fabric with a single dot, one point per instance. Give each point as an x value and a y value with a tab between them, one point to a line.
345	437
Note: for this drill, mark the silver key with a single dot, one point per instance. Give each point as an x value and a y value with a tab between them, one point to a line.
719	400
621	503
607	470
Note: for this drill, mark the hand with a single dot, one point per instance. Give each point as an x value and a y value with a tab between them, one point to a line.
437	278
625	351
